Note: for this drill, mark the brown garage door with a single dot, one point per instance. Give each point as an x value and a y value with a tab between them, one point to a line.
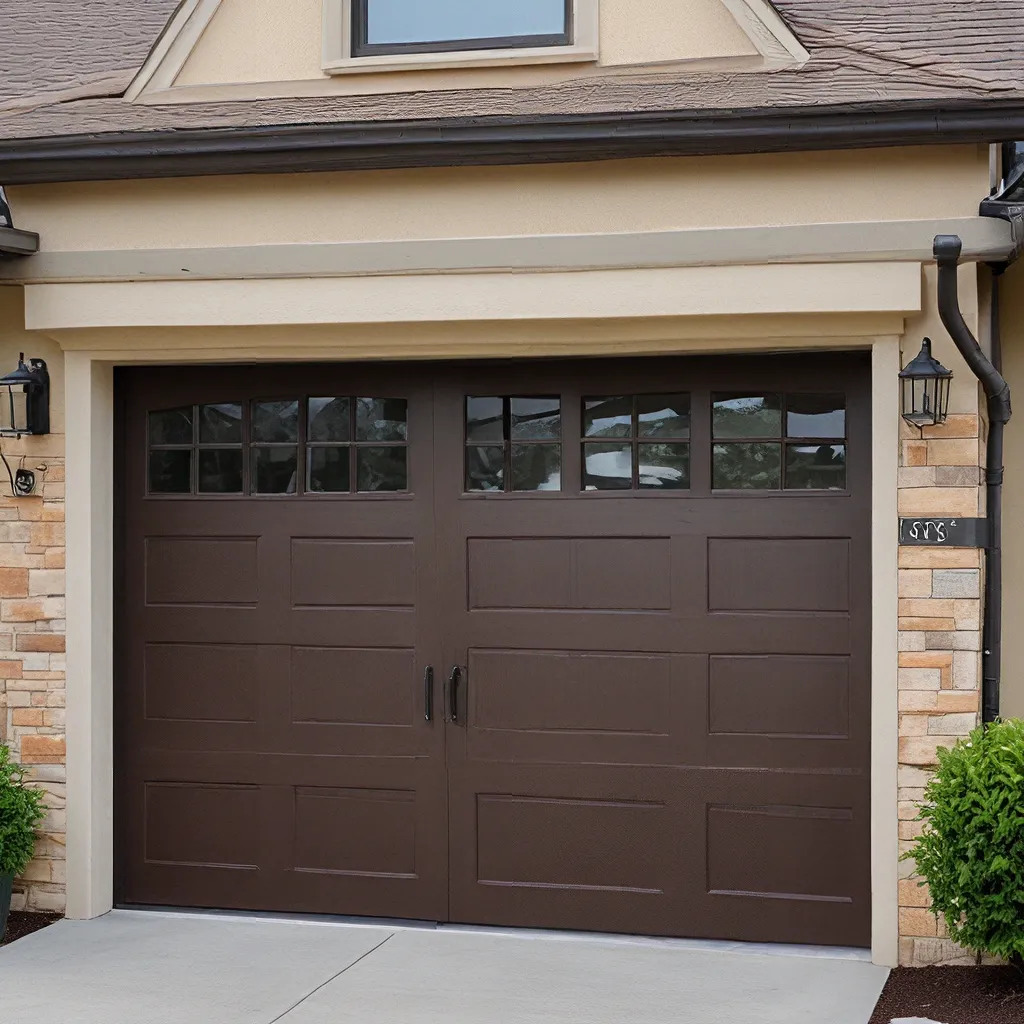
650	577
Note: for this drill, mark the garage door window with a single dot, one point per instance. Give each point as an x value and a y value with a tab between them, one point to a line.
795	442
340	442
644	442
513	443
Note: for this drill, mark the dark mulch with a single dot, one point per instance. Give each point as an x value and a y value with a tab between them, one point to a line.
953	995
19	925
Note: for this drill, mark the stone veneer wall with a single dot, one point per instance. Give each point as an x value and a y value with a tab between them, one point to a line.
32	666
940	592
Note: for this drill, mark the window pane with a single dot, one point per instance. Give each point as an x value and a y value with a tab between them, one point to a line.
485	468
739	415
536	467
747	467
485	419
220	470
329	470
816	467
275	470
608	417
275	421
415	21
329	419
382	419
607	467
536	419
172	426
170	472
816	415
381	469
663	415
664	466
220	424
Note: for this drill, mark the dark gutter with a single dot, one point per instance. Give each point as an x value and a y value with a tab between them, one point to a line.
18	243
947	254
446	142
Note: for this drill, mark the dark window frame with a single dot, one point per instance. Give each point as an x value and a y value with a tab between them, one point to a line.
785	441
636	440
362	47
508	443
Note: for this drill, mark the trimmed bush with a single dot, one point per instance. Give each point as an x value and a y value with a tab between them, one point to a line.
971	851
21	810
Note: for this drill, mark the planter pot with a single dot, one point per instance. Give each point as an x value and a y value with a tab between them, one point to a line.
6	885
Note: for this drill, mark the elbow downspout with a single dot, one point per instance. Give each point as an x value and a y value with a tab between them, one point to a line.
947	251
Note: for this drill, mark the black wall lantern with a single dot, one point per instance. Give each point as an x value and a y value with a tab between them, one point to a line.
925	384
25	400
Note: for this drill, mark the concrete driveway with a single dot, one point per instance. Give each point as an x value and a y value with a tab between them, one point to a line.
149	968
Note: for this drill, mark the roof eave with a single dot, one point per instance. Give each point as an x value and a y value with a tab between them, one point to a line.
445	142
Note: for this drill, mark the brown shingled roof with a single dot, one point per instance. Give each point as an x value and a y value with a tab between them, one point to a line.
66	66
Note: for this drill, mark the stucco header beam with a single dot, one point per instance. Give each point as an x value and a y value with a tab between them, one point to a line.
589	295
985	239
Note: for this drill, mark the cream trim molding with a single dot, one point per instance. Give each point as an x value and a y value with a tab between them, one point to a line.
774	39
338	59
985	240
90	498
760	22
589	295
173	49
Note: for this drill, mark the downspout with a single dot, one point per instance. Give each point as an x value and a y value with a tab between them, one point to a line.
947	251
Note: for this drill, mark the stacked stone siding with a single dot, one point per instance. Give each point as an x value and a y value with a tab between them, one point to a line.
32	655
940	592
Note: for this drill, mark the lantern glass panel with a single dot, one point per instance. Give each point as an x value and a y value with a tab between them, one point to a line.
20	403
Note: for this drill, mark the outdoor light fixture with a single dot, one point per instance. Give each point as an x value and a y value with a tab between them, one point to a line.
925	385
24	410
25	400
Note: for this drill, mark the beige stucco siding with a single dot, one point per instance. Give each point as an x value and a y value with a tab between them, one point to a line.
1012	302
279	41
616	196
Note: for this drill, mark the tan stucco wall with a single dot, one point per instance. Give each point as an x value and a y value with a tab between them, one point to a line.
614	196
279	41
1012	304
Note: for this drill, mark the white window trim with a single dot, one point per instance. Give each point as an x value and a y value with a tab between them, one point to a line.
338	59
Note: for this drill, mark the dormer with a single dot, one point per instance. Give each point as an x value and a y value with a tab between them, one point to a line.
240	49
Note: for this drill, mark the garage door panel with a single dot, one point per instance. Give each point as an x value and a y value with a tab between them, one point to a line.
200	683
202	571
571	707
362	686
778	574
786	855
360	832
567	847
345	572
202	825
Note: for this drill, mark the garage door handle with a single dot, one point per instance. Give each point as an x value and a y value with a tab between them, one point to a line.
428	693
453	693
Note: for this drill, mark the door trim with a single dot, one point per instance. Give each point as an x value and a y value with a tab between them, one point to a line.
90	550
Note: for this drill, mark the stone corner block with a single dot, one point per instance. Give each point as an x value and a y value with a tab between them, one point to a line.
961	583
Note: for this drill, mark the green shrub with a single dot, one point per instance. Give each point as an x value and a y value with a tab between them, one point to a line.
971	851
21	809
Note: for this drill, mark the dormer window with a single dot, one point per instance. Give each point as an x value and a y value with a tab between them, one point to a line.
388	35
